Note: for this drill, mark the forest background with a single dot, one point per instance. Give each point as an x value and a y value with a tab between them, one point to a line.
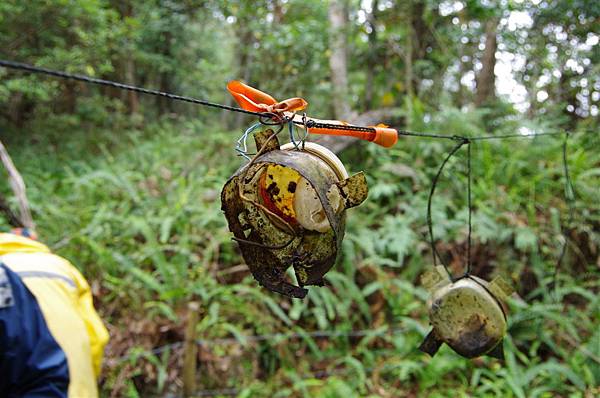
127	187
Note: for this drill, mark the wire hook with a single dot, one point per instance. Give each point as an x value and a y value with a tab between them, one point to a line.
463	141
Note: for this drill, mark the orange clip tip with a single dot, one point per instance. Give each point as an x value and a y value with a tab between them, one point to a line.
248	97
385	136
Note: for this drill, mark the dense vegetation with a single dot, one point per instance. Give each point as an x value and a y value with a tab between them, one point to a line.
127	187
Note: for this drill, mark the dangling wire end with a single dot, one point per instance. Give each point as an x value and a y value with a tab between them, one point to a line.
241	146
570	201
462	141
470	209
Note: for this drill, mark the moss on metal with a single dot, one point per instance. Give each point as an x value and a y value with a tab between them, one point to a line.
467	314
270	244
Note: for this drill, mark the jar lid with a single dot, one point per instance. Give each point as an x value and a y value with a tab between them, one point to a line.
324	154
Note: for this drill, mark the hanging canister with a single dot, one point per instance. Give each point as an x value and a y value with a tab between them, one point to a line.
286	207
467	314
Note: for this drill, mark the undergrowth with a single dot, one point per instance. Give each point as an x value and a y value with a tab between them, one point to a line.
139	212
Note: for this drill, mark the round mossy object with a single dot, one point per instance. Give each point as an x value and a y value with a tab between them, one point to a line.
286	207
466	316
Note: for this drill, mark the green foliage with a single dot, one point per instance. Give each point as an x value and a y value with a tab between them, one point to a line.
128	188
148	226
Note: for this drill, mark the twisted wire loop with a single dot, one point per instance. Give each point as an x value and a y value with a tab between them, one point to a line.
274	120
241	146
570	197
265	119
292	125
305	123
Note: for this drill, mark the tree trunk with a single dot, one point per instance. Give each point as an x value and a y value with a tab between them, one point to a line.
486	80
419	30
245	56
463	67
568	96
69	97
531	87
132	98
129	66
338	58
372	57
278	12
418	38
408	66
462	70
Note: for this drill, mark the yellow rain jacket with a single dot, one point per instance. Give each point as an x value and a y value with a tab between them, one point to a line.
65	299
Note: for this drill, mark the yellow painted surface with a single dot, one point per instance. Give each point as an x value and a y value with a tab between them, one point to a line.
280	183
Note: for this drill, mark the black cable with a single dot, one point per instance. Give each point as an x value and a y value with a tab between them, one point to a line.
429	200
570	200
470	207
349	127
263	115
102	82
429	135
505	136
345	127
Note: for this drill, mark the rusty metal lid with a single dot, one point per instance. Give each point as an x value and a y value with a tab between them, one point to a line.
324	154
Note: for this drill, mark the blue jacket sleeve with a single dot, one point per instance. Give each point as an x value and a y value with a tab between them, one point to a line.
32	364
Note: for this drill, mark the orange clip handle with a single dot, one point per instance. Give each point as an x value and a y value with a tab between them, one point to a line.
255	100
248	97
383	136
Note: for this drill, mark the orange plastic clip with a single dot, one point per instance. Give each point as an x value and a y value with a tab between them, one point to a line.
380	135
385	136
255	100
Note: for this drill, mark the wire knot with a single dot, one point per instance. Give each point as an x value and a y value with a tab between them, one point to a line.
461	138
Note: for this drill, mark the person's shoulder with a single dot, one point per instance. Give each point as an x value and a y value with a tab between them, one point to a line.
13	243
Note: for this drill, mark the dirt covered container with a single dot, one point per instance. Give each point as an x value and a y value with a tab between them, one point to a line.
286	207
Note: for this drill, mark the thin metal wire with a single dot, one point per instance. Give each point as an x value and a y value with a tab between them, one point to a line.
291	131
298	142
429	135
218	392
321	334
470	207
154	351
109	83
570	200
291	336
304	123
257	338
429	201
506	136
267	118
241	146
